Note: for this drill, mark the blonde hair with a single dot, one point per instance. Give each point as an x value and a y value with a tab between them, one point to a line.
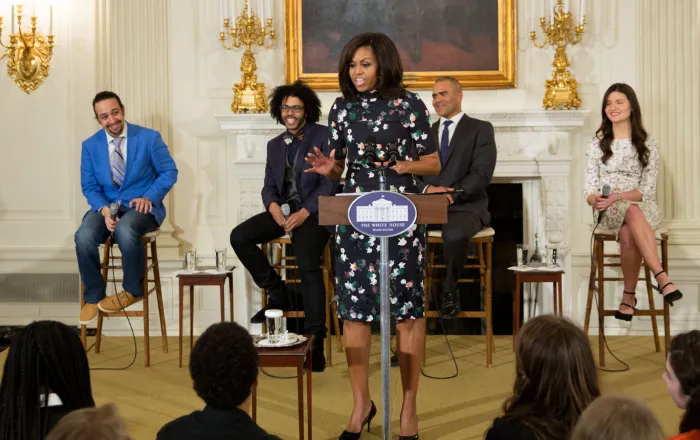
101	423
617	418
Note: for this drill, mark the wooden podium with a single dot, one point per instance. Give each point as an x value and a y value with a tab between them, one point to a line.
431	209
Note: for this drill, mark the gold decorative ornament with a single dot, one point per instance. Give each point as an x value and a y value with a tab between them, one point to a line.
249	94
28	52
561	92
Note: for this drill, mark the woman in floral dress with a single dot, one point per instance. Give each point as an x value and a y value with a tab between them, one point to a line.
623	156
376	104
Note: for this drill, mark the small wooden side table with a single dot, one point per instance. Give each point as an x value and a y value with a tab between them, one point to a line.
294	356
201	278
536	276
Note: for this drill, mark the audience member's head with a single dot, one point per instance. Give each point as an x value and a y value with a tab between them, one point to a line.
101	423
556	377
294	104
224	365
682	377
44	357
617	418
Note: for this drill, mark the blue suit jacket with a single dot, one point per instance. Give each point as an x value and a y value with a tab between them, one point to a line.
150	170
309	185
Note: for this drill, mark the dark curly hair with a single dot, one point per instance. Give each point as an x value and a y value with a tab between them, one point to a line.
556	377
390	68
103	96
298	89
45	357
224	365
639	134
684	358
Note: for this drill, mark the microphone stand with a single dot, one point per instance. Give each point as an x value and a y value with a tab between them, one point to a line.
385	311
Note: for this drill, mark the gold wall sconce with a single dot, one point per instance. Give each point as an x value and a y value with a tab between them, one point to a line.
28	52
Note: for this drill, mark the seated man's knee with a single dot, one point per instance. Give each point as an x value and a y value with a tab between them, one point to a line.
86	237
124	230
238	237
454	237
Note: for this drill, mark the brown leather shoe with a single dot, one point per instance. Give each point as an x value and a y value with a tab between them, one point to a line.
118	302
88	314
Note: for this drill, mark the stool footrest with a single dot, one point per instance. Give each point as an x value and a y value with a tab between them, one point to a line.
463	314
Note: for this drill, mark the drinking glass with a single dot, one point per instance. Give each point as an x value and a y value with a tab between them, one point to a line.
221	260
190	260
522	254
276	325
551	255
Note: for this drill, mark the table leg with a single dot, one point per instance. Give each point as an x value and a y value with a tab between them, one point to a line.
300	392
254	404
223	304
516	309
308	391
191	317
181	313
555	309
561	302
230	294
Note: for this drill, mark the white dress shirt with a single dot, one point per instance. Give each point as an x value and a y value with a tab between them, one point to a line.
123	145
455	120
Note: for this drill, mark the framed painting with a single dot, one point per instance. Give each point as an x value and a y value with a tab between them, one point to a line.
472	40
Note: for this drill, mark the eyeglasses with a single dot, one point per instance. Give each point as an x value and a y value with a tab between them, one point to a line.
294	108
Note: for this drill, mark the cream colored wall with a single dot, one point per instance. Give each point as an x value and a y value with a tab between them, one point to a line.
165	59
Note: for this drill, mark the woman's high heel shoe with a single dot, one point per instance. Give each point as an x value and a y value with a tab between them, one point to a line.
671	296
624	316
347	435
406	437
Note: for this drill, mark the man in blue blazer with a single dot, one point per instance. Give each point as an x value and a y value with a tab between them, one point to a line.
288	187
130	168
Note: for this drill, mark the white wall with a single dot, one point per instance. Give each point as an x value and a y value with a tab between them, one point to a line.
37	222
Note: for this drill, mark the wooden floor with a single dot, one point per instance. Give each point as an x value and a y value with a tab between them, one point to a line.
457	408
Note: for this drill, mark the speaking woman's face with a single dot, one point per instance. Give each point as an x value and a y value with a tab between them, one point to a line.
364	70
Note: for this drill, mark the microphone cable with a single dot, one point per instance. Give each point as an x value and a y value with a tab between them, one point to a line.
114	283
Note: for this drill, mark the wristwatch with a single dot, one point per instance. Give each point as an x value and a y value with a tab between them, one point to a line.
618	198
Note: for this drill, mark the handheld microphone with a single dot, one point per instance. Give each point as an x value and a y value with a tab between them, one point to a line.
113	211
605	194
285	212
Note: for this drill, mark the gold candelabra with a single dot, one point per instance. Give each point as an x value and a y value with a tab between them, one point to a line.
561	92
249	94
28	52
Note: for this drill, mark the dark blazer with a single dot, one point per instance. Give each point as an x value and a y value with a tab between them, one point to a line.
309	185
214	424
471	160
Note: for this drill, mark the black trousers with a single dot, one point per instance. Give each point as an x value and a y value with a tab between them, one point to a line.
461	226
308	241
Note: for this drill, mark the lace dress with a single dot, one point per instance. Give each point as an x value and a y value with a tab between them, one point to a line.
406	122
623	172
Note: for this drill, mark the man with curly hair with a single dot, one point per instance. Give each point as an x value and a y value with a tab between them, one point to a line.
290	197
224	368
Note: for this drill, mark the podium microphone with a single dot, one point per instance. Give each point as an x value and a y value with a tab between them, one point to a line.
606	193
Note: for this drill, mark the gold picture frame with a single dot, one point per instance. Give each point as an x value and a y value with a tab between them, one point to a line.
500	74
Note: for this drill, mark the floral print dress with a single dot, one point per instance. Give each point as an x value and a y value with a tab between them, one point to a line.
404	122
623	172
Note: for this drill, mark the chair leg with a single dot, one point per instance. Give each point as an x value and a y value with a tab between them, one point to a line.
600	260
591	287
83	327
159	297
652	308
98	332
489	322
667	317
146	321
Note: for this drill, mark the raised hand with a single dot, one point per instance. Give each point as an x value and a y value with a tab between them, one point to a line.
320	163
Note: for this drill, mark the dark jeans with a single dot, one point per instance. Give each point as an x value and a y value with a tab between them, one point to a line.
308	240
461	226
132	225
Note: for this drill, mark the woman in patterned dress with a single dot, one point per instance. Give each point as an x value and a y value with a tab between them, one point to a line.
375	103
623	156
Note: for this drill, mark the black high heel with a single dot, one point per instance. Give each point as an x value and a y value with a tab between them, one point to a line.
406	437
624	316
347	435
671	296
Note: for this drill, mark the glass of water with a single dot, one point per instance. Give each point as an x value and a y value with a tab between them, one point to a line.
551	255
190	260
221	260
522	254
276	325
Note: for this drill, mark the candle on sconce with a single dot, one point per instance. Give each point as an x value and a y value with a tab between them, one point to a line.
581	10
533	15
12	22
51	20
260	9
222	15
567	7
233	13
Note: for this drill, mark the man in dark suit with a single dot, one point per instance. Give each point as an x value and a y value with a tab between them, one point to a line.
298	108
224	369
468	158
